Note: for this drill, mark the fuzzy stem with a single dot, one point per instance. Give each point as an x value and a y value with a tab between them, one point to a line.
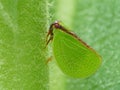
22	55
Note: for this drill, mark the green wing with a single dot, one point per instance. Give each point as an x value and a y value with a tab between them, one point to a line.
73	57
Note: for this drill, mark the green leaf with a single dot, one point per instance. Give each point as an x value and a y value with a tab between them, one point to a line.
22	55
97	23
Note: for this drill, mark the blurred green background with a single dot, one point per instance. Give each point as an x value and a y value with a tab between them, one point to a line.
23	27
97	22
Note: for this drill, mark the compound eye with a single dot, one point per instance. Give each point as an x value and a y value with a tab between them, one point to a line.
56	25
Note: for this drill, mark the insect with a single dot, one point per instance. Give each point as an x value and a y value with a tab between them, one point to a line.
73	56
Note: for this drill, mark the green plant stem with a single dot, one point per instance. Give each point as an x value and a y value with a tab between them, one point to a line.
22	55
